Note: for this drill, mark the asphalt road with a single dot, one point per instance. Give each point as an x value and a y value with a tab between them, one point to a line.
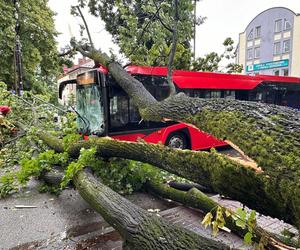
59	222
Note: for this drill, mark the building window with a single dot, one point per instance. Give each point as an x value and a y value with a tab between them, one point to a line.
278	25
250	35
287	25
285	72
256	52
257	31
249	54
286	46
276	48
276	72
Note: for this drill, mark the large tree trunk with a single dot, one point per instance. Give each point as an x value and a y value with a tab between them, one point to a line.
257	190
139	229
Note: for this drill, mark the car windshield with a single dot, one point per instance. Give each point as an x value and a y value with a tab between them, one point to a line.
90	118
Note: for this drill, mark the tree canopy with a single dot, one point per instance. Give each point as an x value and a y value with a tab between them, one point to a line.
37	37
211	61
143	29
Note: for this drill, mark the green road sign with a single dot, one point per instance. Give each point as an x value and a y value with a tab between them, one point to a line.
268	65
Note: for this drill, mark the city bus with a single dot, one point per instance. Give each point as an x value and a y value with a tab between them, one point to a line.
104	109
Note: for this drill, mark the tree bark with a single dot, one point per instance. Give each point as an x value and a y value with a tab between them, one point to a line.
139	228
212	170
196	199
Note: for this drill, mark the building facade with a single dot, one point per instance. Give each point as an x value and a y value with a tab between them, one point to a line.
270	44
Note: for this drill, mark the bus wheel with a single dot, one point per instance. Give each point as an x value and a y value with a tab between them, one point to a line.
177	140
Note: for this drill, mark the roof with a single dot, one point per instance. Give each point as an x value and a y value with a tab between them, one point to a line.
210	80
270	9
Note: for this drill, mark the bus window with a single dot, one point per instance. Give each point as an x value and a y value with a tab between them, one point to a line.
134	116
293	99
199	93
161	87
270	97
207	94
215	94
119	111
196	93
242	95
90	109
157	85
189	92
229	94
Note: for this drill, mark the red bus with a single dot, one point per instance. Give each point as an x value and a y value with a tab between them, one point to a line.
104	109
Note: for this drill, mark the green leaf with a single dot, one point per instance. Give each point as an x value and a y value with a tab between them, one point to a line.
215	228
252	220
240	218
219	217
248	238
241	213
240	223
207	219
227	213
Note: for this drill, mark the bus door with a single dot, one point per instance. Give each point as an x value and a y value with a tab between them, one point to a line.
123	115
125	122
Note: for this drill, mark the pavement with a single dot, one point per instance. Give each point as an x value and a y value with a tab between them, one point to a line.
60	222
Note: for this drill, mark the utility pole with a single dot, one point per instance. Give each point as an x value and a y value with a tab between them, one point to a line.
18	53
195	19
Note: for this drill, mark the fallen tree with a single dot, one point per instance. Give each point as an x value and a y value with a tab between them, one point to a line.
94	191
138	228
254	127
269	134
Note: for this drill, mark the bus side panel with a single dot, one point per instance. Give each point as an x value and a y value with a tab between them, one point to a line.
158	136
128	137
201	140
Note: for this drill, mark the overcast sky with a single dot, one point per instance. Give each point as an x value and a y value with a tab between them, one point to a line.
225	18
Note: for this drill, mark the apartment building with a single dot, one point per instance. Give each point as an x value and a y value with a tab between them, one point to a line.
270	44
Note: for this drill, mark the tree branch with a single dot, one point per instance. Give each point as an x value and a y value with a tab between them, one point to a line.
145	28
173	50
68	52
86	27
196	199
160	20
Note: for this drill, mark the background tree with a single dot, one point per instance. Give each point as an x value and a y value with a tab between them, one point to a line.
39	48
143	29
211	62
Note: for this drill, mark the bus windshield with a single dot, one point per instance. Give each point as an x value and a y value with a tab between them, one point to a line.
89	106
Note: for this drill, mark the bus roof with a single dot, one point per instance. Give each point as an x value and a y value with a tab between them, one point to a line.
209	80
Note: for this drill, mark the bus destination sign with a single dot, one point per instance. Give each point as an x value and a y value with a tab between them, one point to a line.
268	65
